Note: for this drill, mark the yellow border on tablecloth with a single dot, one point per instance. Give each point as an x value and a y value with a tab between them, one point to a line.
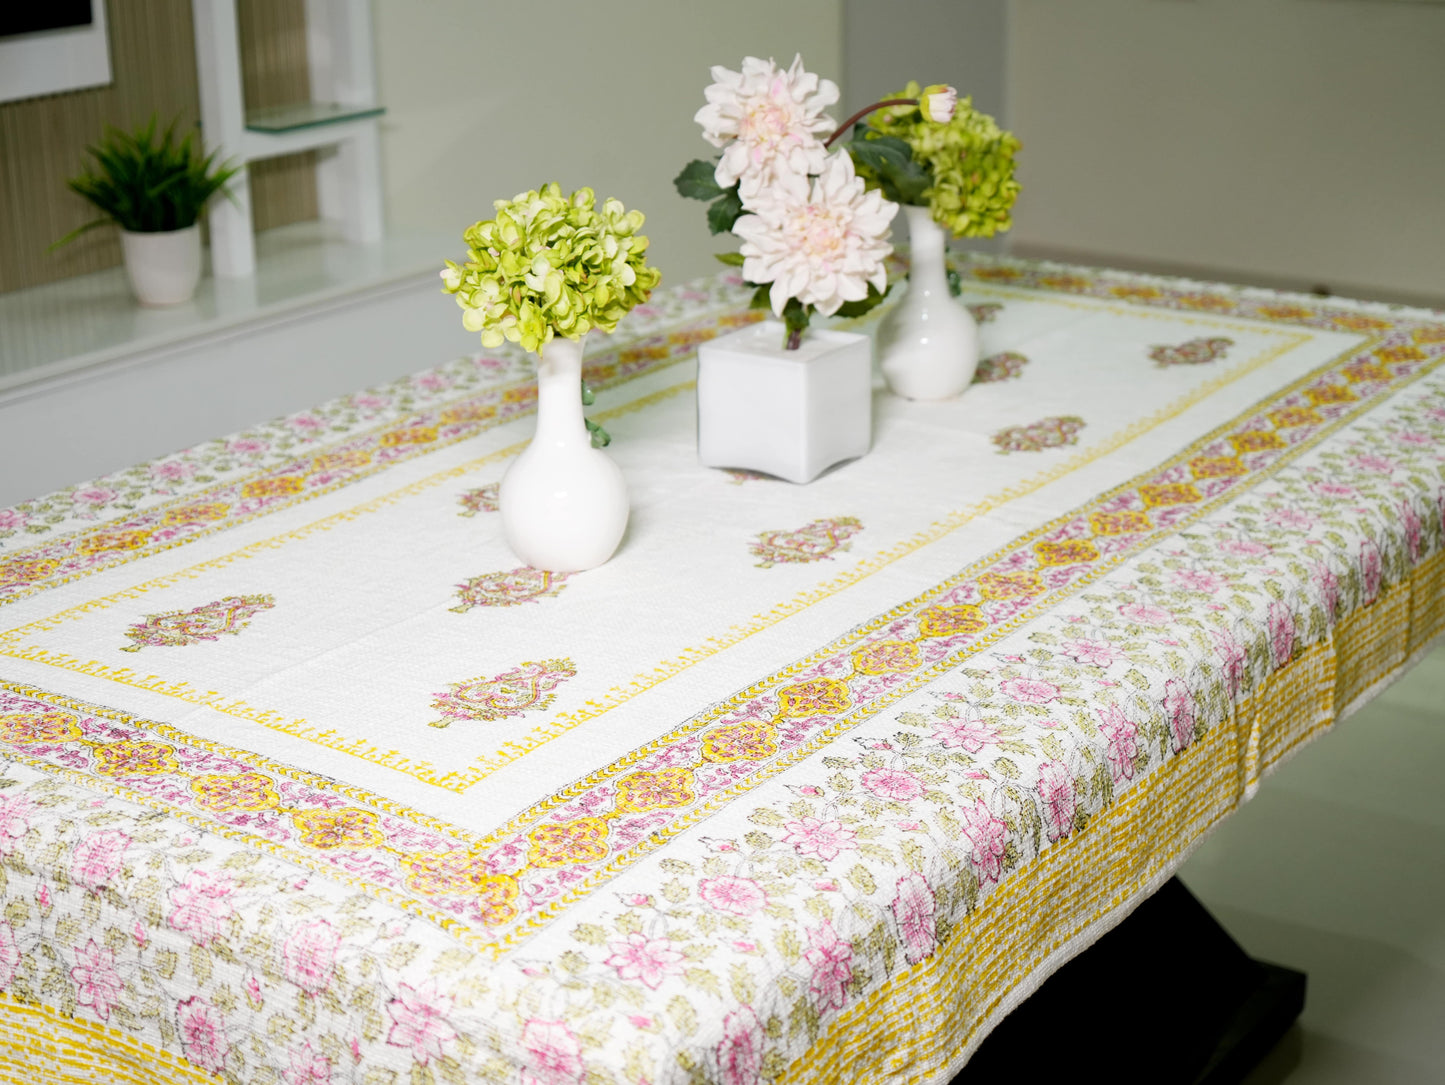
560	724
1004	949
41	1045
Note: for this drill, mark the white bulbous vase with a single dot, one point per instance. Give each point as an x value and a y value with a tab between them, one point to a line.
563	502
928	342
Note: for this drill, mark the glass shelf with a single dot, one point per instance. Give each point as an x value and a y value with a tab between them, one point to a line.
294	118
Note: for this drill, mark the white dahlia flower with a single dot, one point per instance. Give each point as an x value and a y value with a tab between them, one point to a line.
766	120
822	245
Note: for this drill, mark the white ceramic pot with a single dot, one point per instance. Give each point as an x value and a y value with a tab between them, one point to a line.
928	342
789	413
563	502
165	267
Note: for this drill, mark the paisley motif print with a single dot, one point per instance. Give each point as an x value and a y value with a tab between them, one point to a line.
1037	436
1194	352
525	688
508	589
207	622
812	542
1000	367
482	499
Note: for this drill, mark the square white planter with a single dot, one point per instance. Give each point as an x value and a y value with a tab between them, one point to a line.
789	413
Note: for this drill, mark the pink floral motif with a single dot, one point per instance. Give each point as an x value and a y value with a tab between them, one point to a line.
94	495
1291	518
1179	707
989	837
419	1021
98	858
1231	658
1281	633
556	1054
647	959
307	1067
1410	521
1243	548
9	954
1333	489
201	905
825	839
1029	690
309	955
972	734
1371	570
1328	585
831	960
1381	465
1198	580
1056	791
896	785
1121	733
741	896
15	813
740	1055
203	1034
12	519
1097	653
1146	614
913	907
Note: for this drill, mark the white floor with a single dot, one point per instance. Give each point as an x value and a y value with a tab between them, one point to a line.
1337	868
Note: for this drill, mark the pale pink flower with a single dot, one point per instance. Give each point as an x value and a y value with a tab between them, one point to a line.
1145	614
740	1055
9	954
1122	735
1332	489
201	905
368	403
741	896
972	734
1281	633
307	421
98	858
419	1021
1243	548
1371	571
1410	520
307	1067
556	1054
94	495
636	900
97	984
638	1020
940	105
831	960
1414	437
1382	465
1328	585
1029	690
12	519
1098	653
1056	791
15	811
1198	580
1291	518
989	837
912	909
309	955
248	445
825	839
173	470
650	960
1179	708
897	785
203	1034
825	885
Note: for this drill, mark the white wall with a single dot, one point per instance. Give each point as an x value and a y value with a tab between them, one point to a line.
1296	140
485	100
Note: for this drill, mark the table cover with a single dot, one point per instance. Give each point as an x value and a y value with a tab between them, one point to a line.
306	780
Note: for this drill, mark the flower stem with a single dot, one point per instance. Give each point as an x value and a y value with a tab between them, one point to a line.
795	338
856	117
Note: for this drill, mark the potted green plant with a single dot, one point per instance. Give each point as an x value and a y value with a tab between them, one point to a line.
154	187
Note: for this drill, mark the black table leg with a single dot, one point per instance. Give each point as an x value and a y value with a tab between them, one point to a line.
1167	996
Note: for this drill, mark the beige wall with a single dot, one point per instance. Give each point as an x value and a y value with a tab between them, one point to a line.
487	99
1298	141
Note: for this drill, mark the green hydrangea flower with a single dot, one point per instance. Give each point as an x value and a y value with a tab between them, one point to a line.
971	160
549	264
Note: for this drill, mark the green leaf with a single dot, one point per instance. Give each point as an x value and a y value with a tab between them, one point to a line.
863	305
696	181
761	298
731	259
724	211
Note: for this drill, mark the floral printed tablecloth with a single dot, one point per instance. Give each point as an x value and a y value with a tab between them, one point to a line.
306	781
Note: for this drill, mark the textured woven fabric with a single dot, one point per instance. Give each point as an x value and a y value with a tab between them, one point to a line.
305	779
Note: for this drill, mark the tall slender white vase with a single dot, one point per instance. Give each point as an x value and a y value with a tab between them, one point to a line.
928	342
563	502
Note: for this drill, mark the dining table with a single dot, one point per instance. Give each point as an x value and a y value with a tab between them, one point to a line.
304	778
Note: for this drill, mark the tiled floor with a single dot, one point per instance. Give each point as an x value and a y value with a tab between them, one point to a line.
1337	868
